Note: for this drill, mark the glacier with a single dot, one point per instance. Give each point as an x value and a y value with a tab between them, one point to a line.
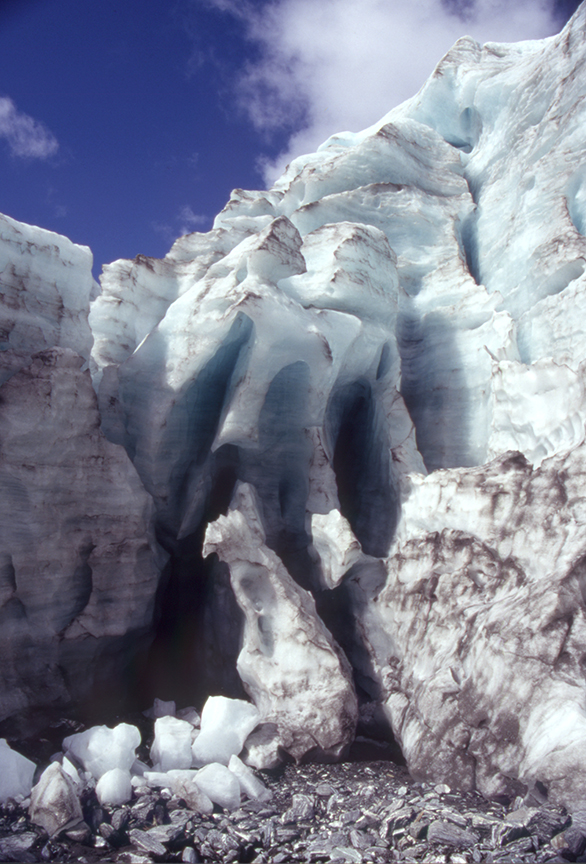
330	455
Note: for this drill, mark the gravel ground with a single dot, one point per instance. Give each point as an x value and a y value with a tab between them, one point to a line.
349	812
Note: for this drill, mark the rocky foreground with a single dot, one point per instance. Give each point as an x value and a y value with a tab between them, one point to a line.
348	812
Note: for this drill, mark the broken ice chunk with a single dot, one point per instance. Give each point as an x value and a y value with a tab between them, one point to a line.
225	726
160	709
72	772
158	779
261	748
100	749
172	745
16	773
138	768
114	787
336	545
183	784
220	785
249	782
191	715
54	802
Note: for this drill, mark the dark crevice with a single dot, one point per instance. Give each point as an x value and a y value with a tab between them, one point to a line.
384	362
81	586
7	574
468	241
335	608
435	391
193	425
361	464
279	470
197	623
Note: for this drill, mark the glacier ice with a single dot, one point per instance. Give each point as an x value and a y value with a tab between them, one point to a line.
114	787
352	415
55	804
262	748
190	715
250	785
101	749
474	655
78	560
220	785
289	662
184	785
225	726
161	708
16	773
336	547
47	286
171	747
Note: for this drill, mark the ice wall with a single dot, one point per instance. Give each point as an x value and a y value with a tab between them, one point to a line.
79	565
364	387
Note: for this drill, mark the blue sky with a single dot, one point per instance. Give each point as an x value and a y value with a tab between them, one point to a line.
124	123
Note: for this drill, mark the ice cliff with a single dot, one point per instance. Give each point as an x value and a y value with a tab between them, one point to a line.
333	455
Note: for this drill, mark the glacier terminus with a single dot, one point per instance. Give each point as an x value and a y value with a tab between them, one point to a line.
328	457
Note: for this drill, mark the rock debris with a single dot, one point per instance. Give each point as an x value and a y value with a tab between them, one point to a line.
347	813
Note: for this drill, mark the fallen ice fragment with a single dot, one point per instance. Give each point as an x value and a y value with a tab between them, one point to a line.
54	802
220	785
16	773
172	745
261	748
138	768
159	779
249	783
72	772
114	787
225	726
160	709
336	545
191	715
184	785
100	749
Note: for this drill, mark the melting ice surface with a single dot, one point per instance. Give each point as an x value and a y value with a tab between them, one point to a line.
337	443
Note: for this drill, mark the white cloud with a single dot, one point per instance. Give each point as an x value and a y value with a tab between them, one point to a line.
190	221
185	221
334	65
25	136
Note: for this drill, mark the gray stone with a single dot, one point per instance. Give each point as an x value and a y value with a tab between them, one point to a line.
141	840
346	853
302	807
79	834
120	819
165	833
545	823
15	848
450	835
